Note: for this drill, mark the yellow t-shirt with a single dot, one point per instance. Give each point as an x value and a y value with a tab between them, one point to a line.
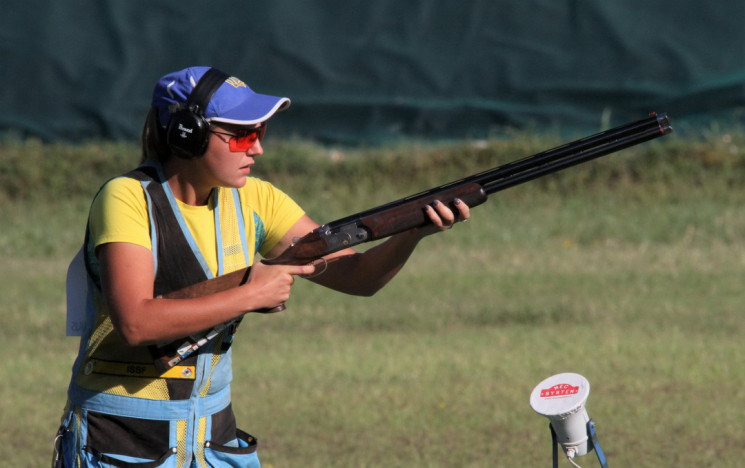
119	214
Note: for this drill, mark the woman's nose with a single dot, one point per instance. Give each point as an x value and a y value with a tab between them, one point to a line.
256	149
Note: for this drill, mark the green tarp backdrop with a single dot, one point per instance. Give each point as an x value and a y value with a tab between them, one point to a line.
377	70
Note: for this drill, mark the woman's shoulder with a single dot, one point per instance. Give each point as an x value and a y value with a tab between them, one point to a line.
256	184
118	192
122	184
264	196
258	189
119	214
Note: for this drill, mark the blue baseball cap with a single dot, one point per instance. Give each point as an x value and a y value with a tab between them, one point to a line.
233	102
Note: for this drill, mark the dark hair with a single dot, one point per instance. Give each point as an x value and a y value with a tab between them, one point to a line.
154	145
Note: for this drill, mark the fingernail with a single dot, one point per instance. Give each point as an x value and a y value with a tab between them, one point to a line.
457	201
436	202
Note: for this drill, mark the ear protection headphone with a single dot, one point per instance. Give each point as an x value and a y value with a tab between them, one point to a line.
187	130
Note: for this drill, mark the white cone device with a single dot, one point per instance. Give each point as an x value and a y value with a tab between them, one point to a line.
561	398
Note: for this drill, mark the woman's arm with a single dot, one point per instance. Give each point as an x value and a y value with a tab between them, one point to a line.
364	274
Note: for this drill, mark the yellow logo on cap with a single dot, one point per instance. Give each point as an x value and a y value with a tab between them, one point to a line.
235	82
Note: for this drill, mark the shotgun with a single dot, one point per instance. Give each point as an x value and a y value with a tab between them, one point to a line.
408	213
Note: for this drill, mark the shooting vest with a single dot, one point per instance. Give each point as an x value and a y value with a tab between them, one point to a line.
116	390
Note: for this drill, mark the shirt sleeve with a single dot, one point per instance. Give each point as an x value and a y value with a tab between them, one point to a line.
119	214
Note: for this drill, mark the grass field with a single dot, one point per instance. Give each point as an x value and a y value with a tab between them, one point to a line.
628	271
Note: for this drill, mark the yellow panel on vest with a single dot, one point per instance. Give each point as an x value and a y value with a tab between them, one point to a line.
232	245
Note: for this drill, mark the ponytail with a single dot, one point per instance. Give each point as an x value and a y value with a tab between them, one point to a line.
154	144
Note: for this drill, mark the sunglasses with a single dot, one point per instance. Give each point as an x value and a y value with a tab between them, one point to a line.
243	139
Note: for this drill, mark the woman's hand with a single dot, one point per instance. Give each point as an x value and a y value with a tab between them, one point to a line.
442	216
269	286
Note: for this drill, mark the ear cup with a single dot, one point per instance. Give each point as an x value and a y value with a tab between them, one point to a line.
187	132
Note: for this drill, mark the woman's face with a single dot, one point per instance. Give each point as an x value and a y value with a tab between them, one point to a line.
231	151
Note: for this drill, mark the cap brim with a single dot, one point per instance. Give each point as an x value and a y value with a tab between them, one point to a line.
255	109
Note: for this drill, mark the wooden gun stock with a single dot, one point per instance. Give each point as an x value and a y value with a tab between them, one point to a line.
211	286
216	285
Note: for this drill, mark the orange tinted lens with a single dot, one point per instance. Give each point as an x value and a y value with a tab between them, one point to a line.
243	143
